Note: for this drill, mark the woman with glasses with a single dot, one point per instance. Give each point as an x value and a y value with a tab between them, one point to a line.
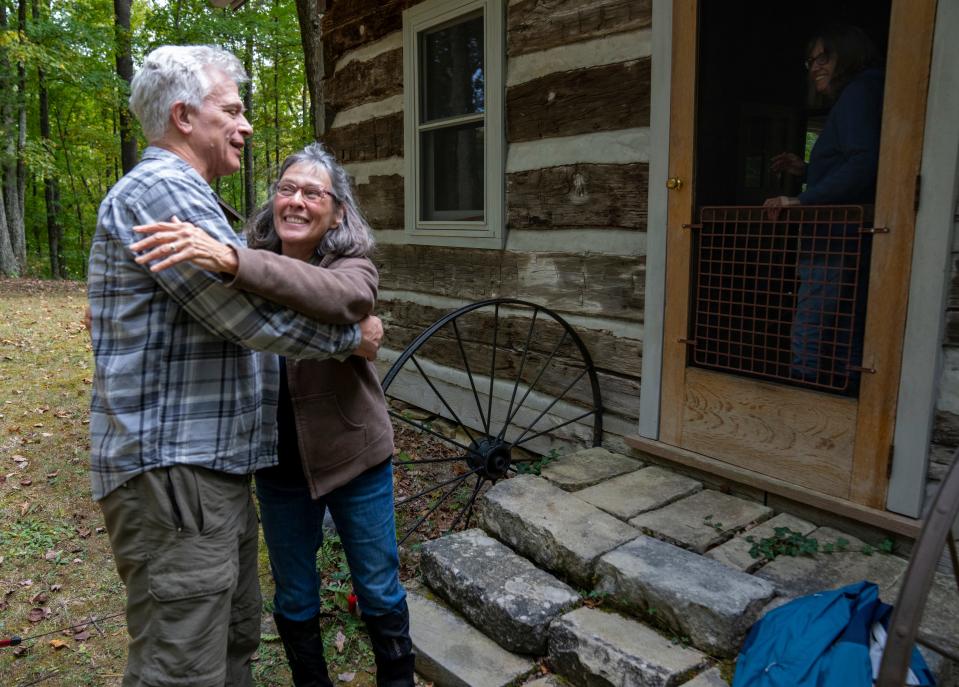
309	249
843	70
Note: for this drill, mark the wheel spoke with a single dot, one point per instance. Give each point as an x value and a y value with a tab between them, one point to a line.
562	339
468	508
424	428
425	461
492	370
469	374
550	406
442	399
429	513
458	478
562	424
522	367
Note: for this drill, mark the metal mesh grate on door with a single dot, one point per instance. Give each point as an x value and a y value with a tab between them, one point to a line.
780	294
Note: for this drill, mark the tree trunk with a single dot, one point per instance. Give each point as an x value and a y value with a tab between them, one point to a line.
51	189
17	189
128	141
249	183
9	206
310	14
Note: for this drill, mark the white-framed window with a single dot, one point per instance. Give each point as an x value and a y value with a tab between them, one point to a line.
453	90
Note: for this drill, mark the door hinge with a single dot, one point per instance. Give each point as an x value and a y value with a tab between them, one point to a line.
918	190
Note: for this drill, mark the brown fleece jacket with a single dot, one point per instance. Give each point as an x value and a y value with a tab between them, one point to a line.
342	424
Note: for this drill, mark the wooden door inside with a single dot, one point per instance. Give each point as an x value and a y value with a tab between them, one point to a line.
835	444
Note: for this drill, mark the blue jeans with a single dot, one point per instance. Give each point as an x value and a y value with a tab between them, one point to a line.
825	338
293	528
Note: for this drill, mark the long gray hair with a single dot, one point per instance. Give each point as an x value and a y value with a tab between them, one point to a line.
352	236
177	72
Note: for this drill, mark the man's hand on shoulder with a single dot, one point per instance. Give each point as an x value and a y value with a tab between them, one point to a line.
371	328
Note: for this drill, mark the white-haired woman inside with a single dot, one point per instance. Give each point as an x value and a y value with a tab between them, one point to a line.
309	250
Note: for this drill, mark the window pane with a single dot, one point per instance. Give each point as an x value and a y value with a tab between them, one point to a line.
452	70
452	173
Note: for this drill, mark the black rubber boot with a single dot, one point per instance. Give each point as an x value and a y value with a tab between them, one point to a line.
392	647
303	643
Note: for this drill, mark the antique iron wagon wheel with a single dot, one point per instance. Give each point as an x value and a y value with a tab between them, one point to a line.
503	383
935	535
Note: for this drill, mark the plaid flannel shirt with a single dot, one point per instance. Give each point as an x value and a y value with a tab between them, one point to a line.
176	377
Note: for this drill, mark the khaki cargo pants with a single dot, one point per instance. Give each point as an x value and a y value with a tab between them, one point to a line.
185	543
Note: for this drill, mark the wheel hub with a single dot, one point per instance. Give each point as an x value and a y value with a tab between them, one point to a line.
491	456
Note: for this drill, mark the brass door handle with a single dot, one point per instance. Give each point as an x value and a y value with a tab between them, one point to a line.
674	183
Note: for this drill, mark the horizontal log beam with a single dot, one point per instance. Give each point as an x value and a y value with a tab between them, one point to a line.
367	81
372	139
581	284
604	98
534	25
582	195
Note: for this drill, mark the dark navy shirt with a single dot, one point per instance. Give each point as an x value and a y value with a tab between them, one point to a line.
843	163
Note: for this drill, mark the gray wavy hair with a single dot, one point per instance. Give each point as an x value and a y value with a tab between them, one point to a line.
174	73
351	237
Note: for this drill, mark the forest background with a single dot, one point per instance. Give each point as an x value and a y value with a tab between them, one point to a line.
66	134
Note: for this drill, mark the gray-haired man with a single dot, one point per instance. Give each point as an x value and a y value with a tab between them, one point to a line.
183	410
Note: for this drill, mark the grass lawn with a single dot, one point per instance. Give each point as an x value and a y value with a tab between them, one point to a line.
56	569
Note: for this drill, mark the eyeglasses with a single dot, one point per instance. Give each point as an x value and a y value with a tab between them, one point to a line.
311	194
816	60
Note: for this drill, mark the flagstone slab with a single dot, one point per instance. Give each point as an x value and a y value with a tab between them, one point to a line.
693	595
636	492
703	520
710	678
940	621
593	647
588	467
452	653
801	575
504	595
735	552
551	527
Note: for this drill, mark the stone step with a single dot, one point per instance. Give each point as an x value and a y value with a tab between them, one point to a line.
593	647
710	678
735	552
551	527
639	491
802	575
504	595
588	467
695	596
452	653
703	520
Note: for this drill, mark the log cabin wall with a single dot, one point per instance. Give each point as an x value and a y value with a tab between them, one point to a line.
576	175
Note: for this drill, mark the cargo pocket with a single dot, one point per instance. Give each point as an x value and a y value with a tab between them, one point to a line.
190	622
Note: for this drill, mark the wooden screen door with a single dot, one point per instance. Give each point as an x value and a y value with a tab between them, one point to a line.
831	445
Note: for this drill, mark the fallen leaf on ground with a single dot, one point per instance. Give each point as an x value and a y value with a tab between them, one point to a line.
51	475
38	598
55	587
82	636
57	643
21	650
37	614
346	677
340	641
26	482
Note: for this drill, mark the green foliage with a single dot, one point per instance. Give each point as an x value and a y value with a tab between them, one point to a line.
786	542
30	537
73	43
535	467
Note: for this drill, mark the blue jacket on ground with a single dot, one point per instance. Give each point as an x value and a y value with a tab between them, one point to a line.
820	640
